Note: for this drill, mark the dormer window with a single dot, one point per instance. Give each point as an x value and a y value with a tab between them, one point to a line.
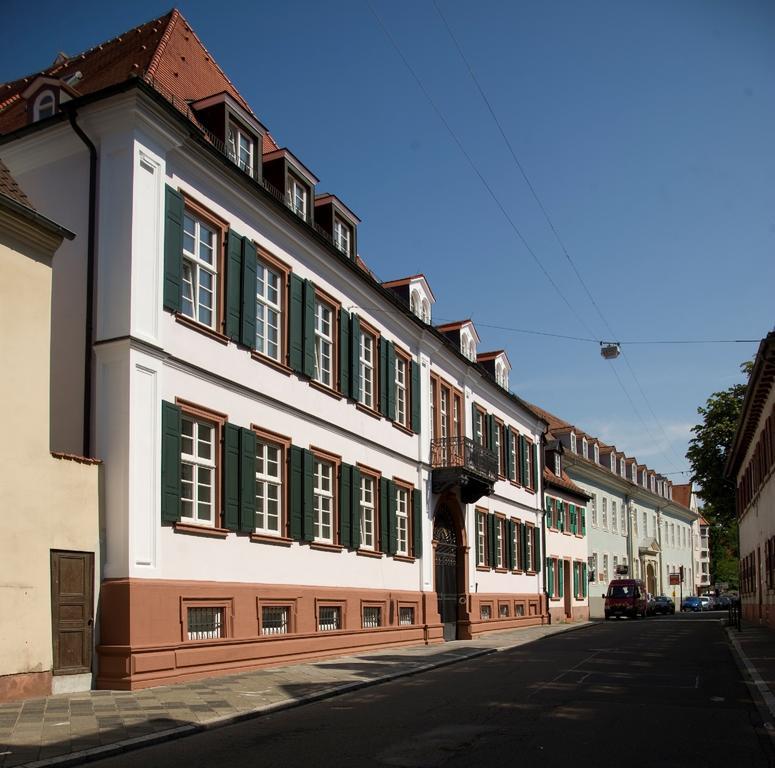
45	106
612	462
557	465
415	304
297	196
573	442
597	453
501	375
425	315
635	473
343	236
584	448
622	468
468	348
241	148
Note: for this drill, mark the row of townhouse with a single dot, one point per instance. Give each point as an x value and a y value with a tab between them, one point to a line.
295	462
751	466
631	521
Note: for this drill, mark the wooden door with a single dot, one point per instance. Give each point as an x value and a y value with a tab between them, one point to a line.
72	610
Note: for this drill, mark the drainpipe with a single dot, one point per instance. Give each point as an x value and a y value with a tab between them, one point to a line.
542	503
659	537
90	269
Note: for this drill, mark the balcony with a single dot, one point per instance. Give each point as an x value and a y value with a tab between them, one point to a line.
459	461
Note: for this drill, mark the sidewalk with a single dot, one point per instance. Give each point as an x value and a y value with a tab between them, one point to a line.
755	649
74	728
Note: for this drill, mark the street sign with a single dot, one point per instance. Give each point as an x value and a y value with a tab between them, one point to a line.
675	579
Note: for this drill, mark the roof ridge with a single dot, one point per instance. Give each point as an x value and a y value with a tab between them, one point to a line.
159	52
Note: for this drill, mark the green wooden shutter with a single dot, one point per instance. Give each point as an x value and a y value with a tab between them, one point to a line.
296	324
344	352
383	378
523	479
561	578
345	505
231	462
247	500
392	520
170	463
355	506
308	344
584	580
575	580
510	545
491	524
384	515
390	381
248	324
355	357
296	492
491	431
536	548
417	522
550	576
561	514
583	521
507	436
572	508
308	517
173	249
415	397
535	468
233	285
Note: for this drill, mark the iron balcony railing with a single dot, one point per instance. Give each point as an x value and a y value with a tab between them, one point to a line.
464	453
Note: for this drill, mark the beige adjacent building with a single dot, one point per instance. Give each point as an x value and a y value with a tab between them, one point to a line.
49	552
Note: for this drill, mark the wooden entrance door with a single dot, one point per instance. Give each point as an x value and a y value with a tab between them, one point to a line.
566	576
72	610
446	561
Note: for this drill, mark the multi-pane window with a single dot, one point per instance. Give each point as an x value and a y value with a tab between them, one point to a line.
324	501
594	510
405	615
366	369
496	438
402	412
342	236
557	467
368	517
573	442
614	518
241	148
518	564
268	310
529	552
444	413
269	487
480	435
635	524
402	521
200	268
623	520
297	197
45	106
197	464
605	568
205	623
514	455
604	520
275	620
372	616
584	448
529	466
481	539
324	342
499	543
329	618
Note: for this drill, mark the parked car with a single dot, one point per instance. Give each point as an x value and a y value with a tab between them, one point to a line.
723	603
691	604
626	597
663	605
706	604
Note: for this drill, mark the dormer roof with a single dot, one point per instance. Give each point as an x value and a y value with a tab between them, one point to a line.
295	164
460	325
411	280
498	353
328	197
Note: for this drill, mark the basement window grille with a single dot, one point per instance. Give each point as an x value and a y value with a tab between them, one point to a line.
274	620
372	617
205	623
330	618
406	616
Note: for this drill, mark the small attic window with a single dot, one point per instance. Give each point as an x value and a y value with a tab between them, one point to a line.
557	465
425	312
573	445
45	106
241	148
501	375
415	303
584	448
467	347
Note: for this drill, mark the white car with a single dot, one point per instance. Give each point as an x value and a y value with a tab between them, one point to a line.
705	600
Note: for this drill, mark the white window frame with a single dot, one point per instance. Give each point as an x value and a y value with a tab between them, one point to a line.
614	517
573	444
594	510
237	141
557	465
368	512
496	440
597	453
584	448
198	269
324	473
401	391
366	370
402	521
265	481
269	314
343	236
604	515
199	465
45	106
481	539
324	343
297	197
498	542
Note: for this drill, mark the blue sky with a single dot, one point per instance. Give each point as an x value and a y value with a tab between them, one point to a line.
646	129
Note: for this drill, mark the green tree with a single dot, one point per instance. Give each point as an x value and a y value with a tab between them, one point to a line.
708	451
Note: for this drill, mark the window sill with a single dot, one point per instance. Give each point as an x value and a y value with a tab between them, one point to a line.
483	568
265	538
201	530
199	328
501	570
530	573
368	553
403	558
325	546
517	571
325	390
368	411
271	362
401	428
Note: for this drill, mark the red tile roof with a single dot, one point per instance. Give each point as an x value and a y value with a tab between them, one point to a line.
165	52
11	189
564	482
683	493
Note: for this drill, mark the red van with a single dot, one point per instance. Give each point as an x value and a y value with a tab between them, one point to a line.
626	597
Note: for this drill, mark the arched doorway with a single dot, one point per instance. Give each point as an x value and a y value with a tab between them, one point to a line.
651	580
449	568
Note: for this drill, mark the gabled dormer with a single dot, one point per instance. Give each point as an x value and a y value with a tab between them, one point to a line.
290	178
632	470
608	457
238	132
497	365
338	222
553	456
45	95
415	292
463	335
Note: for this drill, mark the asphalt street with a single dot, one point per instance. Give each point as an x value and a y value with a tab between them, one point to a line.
664	692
